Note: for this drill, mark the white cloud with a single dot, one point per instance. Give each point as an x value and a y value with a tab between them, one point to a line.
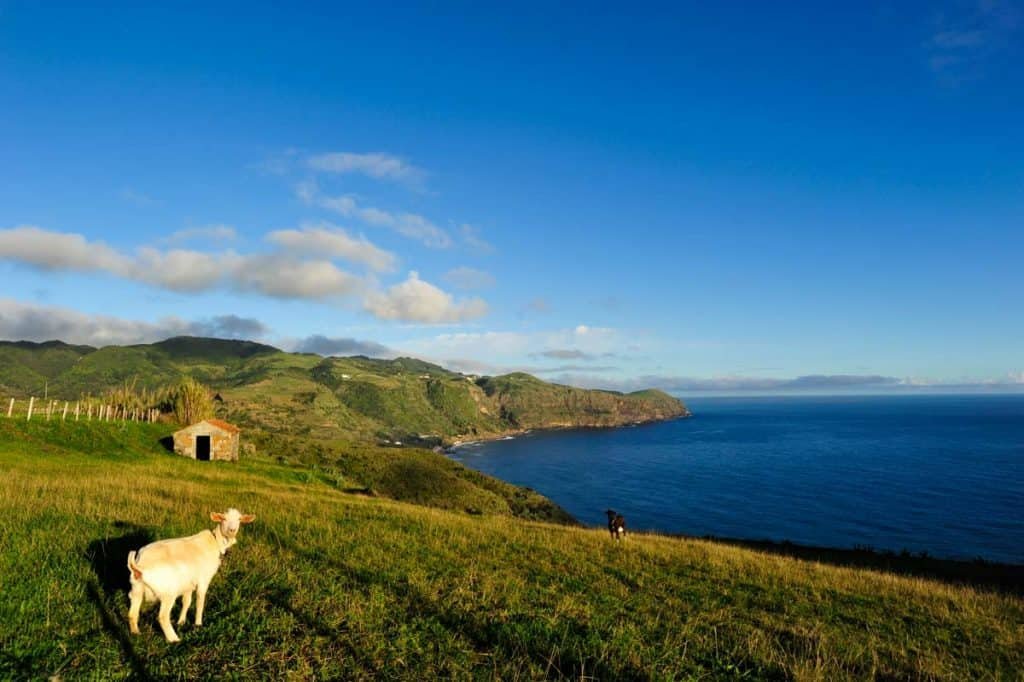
467	278
138	198
509	347
471	238
537	306
409	225
31	322
728	384
376	165
326	239
564	354
48	250
469	366
217	232
415	300
468	344
290	273
286	277
181	270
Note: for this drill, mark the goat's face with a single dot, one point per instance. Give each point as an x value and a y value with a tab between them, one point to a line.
611	515
230	521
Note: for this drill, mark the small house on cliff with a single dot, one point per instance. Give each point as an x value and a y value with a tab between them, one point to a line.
208	440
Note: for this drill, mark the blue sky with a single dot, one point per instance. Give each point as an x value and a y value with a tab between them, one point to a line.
701	198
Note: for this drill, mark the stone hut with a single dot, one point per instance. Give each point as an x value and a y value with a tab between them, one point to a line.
207	440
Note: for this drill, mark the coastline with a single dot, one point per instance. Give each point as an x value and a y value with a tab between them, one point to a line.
706	472
515	433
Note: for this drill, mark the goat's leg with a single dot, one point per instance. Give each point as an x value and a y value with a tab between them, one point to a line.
200	603
165	619
136	596
186	601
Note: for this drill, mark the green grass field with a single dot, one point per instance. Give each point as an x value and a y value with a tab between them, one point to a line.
328	584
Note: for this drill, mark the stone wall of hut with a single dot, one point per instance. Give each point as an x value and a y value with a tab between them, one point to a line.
223	444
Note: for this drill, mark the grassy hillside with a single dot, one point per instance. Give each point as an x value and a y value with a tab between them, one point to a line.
351	399
327	584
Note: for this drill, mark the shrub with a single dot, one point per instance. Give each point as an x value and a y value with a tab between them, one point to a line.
192	402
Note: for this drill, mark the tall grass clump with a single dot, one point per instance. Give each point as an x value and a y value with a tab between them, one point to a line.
192	402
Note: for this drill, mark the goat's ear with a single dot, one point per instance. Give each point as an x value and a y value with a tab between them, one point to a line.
247	518
216	516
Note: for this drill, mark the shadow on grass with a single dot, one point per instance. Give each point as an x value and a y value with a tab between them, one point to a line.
167	443
559	648
978	573
21	667
108	558
279	596
364	491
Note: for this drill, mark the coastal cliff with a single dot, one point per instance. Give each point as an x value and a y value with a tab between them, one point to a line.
524	402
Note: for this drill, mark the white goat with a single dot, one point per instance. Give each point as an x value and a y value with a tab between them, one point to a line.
165	570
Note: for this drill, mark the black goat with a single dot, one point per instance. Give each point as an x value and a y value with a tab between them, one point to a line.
616	524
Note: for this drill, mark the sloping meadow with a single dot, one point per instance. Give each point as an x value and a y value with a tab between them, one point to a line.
328	584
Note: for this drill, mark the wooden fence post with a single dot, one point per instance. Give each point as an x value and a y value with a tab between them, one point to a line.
64	414
10	409
77	405
49	407
31	402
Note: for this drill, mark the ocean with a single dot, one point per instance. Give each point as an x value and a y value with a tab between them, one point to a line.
936	474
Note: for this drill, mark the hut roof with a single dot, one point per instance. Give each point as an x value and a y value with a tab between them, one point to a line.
216	423
221	424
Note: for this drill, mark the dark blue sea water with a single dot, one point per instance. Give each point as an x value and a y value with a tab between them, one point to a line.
940	474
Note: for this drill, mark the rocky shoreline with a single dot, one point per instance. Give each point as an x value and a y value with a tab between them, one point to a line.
474	439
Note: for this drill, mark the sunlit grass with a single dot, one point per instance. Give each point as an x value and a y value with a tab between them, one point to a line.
327	584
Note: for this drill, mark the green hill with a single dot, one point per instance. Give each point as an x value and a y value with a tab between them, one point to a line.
333	415
332	585
328	399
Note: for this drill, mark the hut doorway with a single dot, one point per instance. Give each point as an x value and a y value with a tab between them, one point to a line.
203	448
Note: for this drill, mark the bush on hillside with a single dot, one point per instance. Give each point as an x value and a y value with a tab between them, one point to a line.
192	402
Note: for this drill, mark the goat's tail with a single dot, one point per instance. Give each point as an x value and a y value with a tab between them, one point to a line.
134	567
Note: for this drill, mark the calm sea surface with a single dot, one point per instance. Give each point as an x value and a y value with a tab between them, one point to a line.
941	474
